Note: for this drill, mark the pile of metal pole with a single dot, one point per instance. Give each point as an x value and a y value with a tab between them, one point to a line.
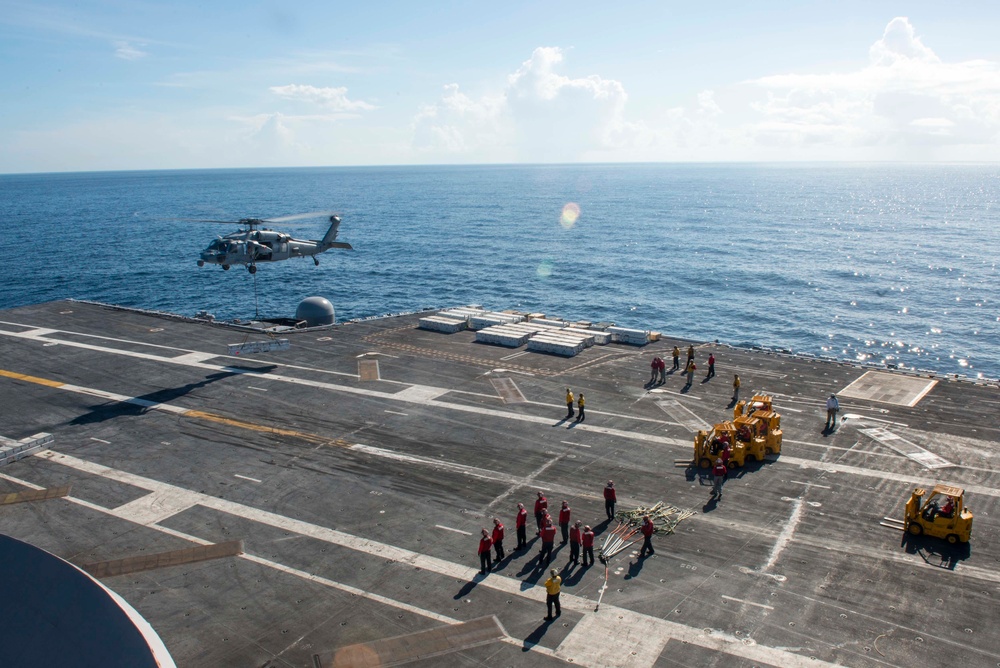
665	518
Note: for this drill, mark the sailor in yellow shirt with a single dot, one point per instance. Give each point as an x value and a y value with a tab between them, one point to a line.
552	587
569	404
579	405
736	388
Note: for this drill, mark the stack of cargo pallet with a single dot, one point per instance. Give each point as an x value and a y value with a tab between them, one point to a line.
511	336
558	342
635	337
450	321
492	319
593	337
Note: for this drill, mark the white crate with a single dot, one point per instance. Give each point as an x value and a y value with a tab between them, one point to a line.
545	322
437	323
635	337
485	320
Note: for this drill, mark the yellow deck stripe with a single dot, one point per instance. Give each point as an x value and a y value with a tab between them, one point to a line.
31	379
201	415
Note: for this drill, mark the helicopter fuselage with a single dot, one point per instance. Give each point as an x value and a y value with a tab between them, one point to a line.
252	246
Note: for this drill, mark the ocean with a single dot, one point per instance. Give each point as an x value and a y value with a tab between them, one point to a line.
881	263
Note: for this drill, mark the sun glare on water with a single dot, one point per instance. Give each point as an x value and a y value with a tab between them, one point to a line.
570	214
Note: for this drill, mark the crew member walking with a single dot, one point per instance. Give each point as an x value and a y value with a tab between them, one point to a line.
610	497
719	473
522	530
654	367
711	365
575	535
541	504
690	353
579	405
663	371
647	537
498	538
485	561
588	545
677	359
569	404
548	540
736	388
690	372
564	521
832	406
552	587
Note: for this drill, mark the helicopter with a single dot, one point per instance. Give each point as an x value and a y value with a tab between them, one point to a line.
256	243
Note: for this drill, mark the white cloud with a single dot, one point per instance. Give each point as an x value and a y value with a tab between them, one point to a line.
334	99
905	96
538	115
126	51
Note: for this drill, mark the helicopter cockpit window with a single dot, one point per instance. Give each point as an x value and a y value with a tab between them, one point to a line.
217	245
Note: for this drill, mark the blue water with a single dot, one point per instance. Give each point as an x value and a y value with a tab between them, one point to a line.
881	263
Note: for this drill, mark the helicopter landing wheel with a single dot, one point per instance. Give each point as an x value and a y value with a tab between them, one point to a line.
315	260
252	268
225	267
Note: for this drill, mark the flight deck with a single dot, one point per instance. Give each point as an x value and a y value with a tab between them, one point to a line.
321	505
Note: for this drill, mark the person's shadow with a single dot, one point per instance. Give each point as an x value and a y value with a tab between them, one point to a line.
634	568
711	505
469	586
535	637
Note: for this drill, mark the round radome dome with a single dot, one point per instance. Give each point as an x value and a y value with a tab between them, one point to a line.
316	311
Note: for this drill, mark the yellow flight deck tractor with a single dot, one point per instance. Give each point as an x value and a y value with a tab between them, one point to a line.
941	514
760	407
754	432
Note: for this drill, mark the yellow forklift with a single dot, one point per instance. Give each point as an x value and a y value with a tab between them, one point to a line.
708	446
941	514
761	407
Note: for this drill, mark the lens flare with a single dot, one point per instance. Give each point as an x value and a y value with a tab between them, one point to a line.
570	214
544	269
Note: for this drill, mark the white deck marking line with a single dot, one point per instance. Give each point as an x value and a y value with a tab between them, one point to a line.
464	533
865	418
237	475
906	448
682	414
194	357
581	445
156	506
259	389
100	440
740	600
809	484
598	636
421	393
39	331
922	394
418	394
785	537
686	395
395	412
522	482
510	357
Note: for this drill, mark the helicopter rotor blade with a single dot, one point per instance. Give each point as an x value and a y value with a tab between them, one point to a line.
205	220
300	216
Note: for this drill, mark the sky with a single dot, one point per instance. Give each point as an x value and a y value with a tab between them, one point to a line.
123	85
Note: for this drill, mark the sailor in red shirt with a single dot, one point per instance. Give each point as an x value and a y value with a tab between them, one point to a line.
564	521
610	497
575	536
498	539
541	504
647	536
588	545
548	540
485	561
522	532
720	477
